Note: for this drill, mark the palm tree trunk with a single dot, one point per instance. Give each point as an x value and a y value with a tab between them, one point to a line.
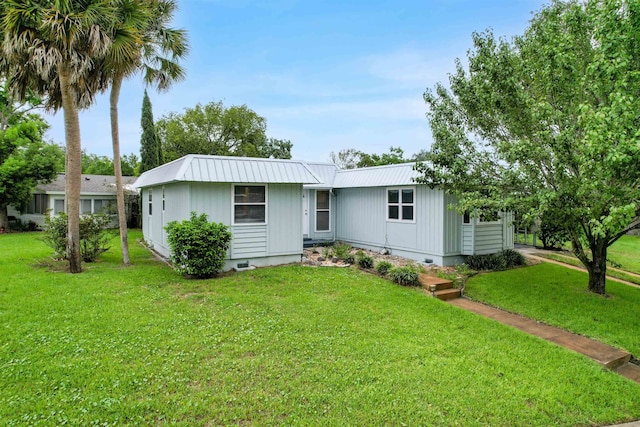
117	168
73	167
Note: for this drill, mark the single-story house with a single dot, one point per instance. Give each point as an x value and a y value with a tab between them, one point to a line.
271	205
383	207
259	199
97	194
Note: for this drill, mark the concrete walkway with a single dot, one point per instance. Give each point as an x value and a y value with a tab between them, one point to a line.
531	252
610	357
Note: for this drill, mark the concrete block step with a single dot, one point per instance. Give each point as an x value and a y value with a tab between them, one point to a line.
434	283
630	371
447	294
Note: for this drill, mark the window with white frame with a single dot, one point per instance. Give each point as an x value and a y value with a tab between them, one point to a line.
323	205
250	204
400	204
58	206
102	206
150	202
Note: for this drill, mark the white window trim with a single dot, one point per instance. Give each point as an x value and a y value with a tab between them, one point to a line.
150	201
233	205
400	204
315	225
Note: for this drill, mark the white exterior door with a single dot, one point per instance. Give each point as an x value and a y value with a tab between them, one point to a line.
305	212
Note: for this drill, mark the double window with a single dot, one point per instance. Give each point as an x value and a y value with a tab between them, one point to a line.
323	205
250	204
400	204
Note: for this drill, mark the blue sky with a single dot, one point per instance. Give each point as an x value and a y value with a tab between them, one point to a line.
326	75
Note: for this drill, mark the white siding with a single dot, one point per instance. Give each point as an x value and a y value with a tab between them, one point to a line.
362	218
467	239
488	239
212	198
453	235
285	219
248	241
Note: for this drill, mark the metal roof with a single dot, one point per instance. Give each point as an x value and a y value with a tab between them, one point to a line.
203	168
326	172
91	184
377	176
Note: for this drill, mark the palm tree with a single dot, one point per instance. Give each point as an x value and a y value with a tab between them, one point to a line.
50	47
142	42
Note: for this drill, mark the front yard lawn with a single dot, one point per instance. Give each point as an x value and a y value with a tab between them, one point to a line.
558	296
289	345
626	252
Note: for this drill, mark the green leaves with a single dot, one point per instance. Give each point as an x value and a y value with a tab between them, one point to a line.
547	124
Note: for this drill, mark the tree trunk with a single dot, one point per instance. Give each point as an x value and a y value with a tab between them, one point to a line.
598	269
117	168
73	173
4	218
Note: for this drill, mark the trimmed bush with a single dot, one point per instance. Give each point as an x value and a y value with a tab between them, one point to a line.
405	276
95	234
349	259
198	247
383	267
513	258
500	261
364	260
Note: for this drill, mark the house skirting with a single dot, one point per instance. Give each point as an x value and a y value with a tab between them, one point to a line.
421	257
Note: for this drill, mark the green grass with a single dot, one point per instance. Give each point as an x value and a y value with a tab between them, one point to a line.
558	296
572	260
626	252
289	345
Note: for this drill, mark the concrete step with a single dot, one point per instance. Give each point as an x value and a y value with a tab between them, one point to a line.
447	294
432	283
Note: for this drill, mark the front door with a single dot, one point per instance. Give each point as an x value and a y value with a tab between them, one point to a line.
305	212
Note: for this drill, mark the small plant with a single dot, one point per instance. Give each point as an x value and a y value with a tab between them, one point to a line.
327	252
349	259
405	276
314	249
341	250
198	247
383	267
364	260
95	234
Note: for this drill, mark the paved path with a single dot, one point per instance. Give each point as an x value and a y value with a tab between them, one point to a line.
531	253
610	357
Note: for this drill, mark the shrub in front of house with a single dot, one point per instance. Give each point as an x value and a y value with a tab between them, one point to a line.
406	275
341	250
499	261
198	247
383	267
95	234
364	260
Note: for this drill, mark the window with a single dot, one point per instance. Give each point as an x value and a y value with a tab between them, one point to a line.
323	202
39	204
102	206
150	202
400	204
466	218
163	205
58	206
249	204
85	206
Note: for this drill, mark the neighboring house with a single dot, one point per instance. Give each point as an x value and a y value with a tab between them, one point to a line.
271	205
259	199
97	194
